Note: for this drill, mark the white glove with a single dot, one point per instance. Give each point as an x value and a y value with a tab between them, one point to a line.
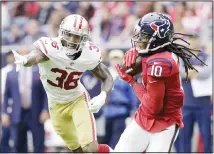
97	102
19	60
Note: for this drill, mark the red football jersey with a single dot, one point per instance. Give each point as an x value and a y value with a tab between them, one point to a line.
161	95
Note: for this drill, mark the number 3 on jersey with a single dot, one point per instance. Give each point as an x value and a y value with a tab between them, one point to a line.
156	70
65	84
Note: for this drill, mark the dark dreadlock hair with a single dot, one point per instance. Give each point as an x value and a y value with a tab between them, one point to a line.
183	52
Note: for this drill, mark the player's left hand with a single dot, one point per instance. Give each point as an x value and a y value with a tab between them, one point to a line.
97	102
123	75
130	57
19	60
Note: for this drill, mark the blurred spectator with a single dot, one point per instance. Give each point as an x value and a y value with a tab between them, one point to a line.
118	19
197	104
5	138
5	17
33	32
32	9
105	25
121	103
191	21
113	22
127	32
19	9
142	8
54	22
71	6
44	12
29	109
13	36
159	7
5	70
86	10
177	13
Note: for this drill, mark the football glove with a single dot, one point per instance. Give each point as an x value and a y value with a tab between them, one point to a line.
130	57
97	102
123	75
19	60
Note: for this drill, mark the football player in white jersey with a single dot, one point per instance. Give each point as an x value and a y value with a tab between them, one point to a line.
61	61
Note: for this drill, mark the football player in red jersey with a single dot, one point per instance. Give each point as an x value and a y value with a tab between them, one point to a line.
158	119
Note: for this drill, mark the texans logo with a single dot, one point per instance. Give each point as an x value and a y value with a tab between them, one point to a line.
161	29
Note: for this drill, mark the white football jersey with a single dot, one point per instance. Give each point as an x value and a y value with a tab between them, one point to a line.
60	75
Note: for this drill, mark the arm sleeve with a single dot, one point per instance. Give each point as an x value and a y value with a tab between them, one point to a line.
206	71
93	55
152	96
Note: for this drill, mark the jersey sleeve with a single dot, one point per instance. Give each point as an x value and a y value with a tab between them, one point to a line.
42	45
93	56
159	67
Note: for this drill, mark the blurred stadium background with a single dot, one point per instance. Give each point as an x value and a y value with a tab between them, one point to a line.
111	24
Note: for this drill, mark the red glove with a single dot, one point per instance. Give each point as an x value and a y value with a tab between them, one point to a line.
123	75
130	57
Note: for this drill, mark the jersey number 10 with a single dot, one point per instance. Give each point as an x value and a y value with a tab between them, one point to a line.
65	84
156	70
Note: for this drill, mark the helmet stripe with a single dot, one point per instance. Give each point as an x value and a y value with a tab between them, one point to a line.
80	25
75	21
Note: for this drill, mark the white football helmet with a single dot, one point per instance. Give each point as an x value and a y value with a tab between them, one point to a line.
73	33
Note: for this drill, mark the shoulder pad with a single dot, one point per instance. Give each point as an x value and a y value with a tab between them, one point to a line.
159	67
44	44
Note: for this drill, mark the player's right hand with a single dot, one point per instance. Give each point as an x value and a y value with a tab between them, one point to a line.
130	57
123	75
97	102
19	60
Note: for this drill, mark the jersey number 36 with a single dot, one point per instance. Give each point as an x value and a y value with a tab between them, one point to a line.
65	80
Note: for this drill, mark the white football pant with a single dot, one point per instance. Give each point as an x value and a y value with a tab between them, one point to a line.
136	139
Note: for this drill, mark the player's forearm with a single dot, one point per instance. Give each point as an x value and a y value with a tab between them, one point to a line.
107	84
152	97
153	103
139	90
102	73
34	58
30	61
